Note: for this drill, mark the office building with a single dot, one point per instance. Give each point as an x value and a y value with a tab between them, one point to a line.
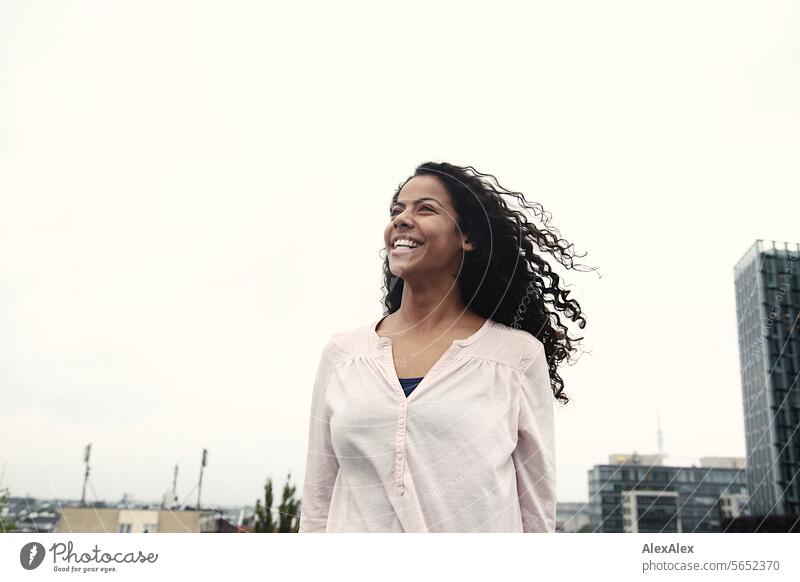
767	283
572	516
633	496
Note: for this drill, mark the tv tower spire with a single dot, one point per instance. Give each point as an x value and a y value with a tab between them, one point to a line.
660	436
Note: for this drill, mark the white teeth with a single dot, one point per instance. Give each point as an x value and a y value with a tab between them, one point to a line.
406	242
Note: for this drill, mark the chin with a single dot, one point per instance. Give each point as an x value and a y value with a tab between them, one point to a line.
397	272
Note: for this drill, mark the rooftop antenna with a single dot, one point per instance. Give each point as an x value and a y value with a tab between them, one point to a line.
170	497
200	483
86	454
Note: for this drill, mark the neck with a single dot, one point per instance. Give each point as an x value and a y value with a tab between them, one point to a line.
431	305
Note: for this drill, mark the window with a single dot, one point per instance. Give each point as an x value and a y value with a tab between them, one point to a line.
124	528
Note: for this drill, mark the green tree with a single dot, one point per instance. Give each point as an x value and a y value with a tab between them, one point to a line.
263	522
289	509
6	524
288	512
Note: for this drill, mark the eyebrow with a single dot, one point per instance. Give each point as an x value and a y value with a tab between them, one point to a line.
417	201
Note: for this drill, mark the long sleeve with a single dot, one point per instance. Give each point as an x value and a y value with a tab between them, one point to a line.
534	455
321	463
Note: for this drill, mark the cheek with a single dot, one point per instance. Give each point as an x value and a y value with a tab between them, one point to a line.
445	242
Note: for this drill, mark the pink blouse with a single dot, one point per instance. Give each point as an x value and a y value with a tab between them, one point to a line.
471	449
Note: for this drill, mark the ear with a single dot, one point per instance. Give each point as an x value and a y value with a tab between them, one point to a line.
467	244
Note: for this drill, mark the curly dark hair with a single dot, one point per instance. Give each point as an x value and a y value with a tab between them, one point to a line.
492	282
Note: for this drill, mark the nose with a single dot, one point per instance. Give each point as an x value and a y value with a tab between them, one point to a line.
400	218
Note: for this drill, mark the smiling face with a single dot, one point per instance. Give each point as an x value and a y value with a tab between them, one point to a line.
422	236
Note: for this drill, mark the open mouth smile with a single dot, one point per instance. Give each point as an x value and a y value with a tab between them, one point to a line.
405	246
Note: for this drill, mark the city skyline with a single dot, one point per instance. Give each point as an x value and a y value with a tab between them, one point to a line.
183	228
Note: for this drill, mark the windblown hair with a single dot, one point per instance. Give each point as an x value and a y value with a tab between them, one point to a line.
504	279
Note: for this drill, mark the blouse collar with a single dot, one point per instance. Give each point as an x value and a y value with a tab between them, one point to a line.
379	340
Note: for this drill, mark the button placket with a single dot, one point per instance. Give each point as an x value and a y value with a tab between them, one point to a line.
400	433
391	370
400	447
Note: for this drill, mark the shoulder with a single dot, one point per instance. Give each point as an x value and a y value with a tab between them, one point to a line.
344	343
532	367
512	346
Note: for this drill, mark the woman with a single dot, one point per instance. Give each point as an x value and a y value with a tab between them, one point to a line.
438	417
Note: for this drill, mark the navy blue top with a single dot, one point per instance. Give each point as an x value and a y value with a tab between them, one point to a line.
409	384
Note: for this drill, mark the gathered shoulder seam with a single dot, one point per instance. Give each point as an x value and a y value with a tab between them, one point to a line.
489	358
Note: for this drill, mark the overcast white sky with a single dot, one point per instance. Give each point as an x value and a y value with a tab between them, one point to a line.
192	199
